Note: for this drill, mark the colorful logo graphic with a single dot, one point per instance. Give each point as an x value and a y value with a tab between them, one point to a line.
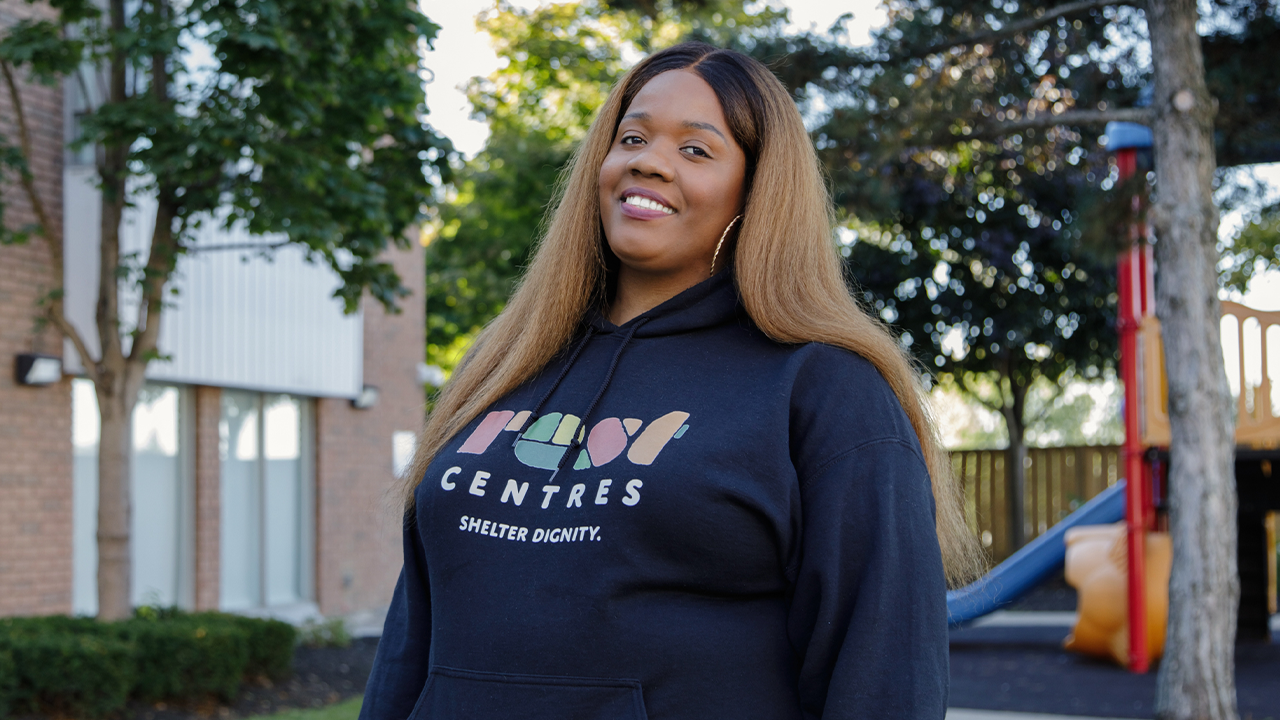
546	441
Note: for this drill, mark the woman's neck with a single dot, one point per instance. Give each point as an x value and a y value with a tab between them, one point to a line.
638	293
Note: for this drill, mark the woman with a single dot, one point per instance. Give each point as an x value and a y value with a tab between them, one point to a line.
682	475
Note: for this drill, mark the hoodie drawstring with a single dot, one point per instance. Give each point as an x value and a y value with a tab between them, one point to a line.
533	415
575	443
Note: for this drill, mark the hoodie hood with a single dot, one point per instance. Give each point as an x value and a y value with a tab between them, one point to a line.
711	302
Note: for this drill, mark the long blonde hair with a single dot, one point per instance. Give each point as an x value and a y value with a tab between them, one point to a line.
787	271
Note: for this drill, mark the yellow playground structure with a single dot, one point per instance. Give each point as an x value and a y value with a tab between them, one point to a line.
1096	559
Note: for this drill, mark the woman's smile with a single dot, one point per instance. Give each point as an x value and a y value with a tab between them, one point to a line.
641	204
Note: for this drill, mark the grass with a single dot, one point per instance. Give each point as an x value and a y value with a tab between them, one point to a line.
345	710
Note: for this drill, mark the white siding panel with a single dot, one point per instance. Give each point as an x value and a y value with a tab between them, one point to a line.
239	319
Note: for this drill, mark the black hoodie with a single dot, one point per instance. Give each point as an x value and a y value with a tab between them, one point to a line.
736	529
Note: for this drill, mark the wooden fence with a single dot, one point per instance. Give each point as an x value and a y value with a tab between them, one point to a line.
1059	480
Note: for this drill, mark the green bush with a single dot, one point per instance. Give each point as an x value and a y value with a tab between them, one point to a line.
187	657
8	680
83	668
325	633
82	674
270	645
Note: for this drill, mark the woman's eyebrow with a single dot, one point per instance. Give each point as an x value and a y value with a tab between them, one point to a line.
644	116
704	126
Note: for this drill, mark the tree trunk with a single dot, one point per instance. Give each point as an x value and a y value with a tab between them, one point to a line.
1016	462
115	572
1196	680
117	391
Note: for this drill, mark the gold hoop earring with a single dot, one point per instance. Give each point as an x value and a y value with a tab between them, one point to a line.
723	235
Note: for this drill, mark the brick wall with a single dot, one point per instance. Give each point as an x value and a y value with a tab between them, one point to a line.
35	422
357	531
358	553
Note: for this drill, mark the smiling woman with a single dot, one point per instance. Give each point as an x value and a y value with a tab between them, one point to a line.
671	184
648	492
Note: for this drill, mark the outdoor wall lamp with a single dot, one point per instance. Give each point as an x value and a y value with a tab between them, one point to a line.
367	398
36	369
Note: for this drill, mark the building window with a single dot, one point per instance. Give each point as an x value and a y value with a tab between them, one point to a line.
161	543
267	500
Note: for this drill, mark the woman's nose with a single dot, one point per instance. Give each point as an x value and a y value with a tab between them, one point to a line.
652	161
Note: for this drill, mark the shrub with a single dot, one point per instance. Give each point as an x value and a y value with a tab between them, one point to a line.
325	633
187	657
270	645
83	668
8	680
83	674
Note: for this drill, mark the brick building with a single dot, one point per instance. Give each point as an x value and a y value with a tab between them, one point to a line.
259	485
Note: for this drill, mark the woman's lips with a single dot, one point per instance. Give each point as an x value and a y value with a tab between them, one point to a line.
636	212
644	205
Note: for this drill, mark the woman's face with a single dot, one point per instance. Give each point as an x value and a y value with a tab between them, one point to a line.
672	181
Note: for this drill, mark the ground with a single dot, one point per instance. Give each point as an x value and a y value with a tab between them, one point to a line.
1004	667
1022	667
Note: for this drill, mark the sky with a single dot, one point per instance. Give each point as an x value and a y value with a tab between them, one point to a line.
460	53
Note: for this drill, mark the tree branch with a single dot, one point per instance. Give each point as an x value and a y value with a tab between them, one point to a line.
1043	17
55	310
973	393
28	178
1142	116
163	254
235	246
58	318
160	263
1047	407
112	171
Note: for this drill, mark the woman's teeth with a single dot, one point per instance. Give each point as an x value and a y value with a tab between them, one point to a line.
647	204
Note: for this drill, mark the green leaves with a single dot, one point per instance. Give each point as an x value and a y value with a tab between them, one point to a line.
1256	249
965	237
282	115
39	46
13	161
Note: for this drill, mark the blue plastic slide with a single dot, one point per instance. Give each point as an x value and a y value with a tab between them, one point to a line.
1028	567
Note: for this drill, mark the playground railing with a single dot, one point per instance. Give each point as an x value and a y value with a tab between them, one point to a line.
1059	480
1251	351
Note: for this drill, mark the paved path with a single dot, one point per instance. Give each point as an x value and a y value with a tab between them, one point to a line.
962	714
1013	662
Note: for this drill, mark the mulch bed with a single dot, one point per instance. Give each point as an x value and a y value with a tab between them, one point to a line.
1025	669
321	676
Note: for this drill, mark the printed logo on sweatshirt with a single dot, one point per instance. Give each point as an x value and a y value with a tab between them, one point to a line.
544	443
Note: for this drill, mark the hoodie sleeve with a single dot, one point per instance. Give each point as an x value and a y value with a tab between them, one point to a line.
400	667
868	616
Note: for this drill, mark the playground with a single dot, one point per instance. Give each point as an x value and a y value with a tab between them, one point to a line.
1073	622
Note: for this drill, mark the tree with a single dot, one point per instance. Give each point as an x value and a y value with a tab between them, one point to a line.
562	61
960	40
974	244
308	125
976	260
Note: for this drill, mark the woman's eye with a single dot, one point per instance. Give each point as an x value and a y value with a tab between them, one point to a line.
631	140
697	151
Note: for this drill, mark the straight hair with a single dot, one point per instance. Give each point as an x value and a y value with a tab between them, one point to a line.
786	267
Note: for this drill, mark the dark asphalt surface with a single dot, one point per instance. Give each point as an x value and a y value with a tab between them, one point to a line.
1025	669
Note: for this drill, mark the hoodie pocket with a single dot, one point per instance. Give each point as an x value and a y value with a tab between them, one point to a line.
453	694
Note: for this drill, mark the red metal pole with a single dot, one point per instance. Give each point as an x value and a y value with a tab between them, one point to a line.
1132	292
